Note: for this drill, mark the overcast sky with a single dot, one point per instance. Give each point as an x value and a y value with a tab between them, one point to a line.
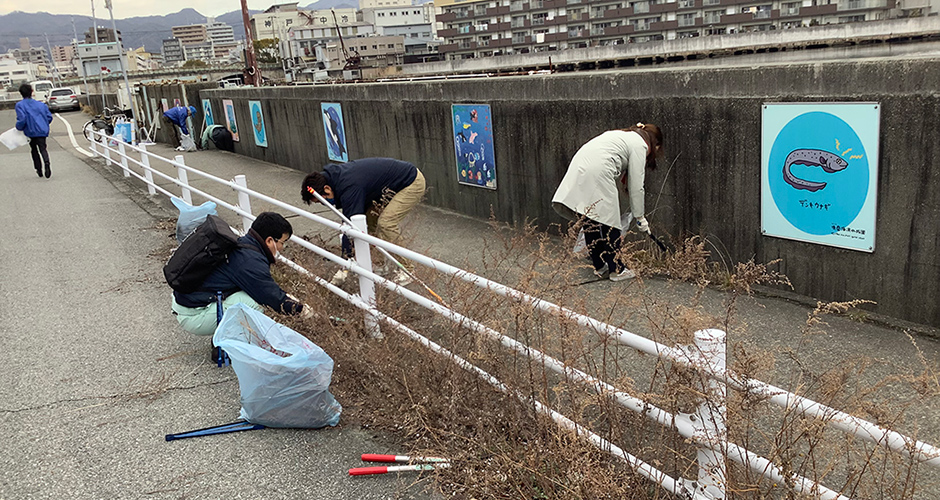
130	8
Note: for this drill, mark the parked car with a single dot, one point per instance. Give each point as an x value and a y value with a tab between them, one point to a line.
62	98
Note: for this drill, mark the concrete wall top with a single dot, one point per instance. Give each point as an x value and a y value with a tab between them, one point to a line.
808	81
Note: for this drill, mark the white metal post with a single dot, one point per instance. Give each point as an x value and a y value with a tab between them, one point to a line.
366	286
148	174
712	413
94	142
182	177
107	149
244	201
123	152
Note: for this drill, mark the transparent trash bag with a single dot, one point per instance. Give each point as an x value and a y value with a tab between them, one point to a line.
13	138
283	377
191	217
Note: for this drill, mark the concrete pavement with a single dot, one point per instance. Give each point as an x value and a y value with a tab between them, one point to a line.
95	370
76	267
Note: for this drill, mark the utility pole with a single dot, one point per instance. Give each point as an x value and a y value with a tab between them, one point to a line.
123	55
84	79
253	74
94	22
55	71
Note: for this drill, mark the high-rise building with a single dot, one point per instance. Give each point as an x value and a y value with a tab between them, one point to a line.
413	22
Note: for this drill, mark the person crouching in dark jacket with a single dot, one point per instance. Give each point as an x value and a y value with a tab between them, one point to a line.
244	279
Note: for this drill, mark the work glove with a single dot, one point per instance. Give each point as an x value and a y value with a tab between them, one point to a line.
643	225
307	312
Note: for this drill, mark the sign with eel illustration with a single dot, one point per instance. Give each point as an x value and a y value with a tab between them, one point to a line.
819	172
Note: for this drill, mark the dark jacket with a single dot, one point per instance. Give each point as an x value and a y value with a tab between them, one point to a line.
247	270
33	118
358	184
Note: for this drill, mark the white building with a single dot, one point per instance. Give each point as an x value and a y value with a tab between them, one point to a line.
415	23
369	4
13	71
88	63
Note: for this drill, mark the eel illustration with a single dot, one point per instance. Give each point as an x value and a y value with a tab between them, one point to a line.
830	163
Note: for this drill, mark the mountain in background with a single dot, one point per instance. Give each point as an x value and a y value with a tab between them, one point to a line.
147	31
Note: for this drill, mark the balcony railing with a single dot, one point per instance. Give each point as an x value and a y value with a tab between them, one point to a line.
641	7
712	18
517	23
762	14
538	21
687	21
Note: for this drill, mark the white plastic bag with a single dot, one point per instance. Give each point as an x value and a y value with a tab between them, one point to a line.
13	138
187	143
191	217
283	377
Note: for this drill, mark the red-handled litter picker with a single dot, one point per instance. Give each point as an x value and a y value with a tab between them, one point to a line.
430	463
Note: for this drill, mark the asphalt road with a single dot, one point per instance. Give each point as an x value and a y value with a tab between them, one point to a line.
95	370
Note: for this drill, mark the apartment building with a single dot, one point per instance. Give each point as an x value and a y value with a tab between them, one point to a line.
105	35
495	27
193	34
318	28
374	52
172	52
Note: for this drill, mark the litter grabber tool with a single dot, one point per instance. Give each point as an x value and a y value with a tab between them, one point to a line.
323	201
429	463
659	242
218	355
239	426
371	457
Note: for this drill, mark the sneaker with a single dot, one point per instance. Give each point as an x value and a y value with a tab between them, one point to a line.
623	275
219	357
48	172
603	272
340	277
402	279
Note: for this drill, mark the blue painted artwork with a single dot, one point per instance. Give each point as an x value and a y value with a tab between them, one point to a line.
819	173
473	145
257	123
207	112
335	131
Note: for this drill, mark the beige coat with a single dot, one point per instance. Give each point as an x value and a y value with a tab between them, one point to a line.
590	187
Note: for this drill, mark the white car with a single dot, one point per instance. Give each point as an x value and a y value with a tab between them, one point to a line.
62	98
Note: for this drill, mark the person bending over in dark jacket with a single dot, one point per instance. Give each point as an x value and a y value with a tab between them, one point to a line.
358	185
244	279
33	118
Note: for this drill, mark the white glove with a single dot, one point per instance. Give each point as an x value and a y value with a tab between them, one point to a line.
643	225
307	312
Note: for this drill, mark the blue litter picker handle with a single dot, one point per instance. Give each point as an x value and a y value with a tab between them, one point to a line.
239	426
223	359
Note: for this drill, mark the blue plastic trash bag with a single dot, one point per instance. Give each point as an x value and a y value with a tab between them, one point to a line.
191	217
283	377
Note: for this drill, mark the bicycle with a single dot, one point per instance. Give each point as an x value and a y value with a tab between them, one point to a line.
103	122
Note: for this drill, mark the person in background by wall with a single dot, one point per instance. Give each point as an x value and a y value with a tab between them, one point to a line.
359	186
33	118
589	190
220	136
177	116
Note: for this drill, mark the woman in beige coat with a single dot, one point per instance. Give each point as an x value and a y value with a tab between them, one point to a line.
589	190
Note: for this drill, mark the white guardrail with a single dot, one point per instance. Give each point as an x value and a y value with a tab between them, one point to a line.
705	428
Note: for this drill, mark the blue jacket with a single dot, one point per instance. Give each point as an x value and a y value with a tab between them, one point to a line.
247	270
358	184
33	118
178	116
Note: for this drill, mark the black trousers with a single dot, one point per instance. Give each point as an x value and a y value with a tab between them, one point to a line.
603	242
37	148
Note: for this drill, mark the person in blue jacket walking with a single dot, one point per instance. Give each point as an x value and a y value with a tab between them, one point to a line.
178	115
33	118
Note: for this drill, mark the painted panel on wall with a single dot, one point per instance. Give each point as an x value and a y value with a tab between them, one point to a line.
230	123
207	112
819	172
335	130
257	123
473	145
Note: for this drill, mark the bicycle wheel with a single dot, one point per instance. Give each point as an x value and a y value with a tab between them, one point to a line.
87	130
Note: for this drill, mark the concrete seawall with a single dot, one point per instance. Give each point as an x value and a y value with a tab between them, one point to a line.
711	117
